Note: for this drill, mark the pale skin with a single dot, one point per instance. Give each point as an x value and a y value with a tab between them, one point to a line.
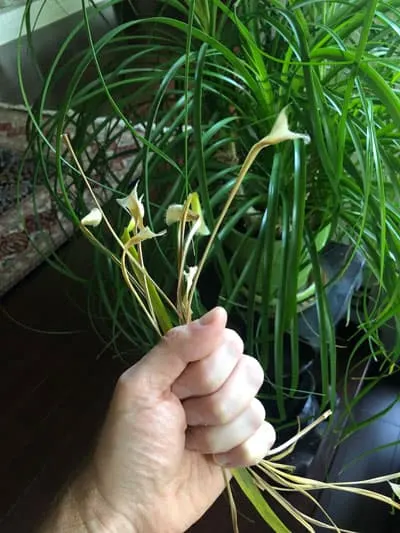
184	410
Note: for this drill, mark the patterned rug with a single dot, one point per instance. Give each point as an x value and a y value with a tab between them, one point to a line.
30	231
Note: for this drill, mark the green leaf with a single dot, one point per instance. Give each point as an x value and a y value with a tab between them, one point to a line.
253	493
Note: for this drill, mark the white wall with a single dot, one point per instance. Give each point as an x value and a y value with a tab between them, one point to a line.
53	23
53	10
11	3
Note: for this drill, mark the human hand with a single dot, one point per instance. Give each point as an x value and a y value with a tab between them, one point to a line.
187	407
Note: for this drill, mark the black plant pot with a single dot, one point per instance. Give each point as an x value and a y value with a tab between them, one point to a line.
333	258
302	408
295	403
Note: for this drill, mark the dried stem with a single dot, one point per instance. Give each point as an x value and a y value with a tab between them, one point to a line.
300	434
138	265
146	286
251	156
135	293
67	141
182	251
232	504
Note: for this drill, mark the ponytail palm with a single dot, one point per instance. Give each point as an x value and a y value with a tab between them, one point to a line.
197	93
212	82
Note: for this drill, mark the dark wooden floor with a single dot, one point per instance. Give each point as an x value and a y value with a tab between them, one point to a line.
53	394
54	391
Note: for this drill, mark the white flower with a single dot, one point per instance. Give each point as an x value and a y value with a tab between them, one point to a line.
93	218
175	213
133	204
280	131
145	234
189	277
395	488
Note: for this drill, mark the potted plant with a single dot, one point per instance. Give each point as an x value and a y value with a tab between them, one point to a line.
206	98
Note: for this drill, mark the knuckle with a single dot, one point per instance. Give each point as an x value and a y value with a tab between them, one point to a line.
124	381
207	382
270	434
247	455
252	455
207	378
234	339
123	388
254	417
132	384
258	412
173	335
256	448
219	410
255	372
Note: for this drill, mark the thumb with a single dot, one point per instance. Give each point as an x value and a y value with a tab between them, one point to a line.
159	369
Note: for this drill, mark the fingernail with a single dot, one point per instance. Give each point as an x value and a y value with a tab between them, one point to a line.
206	319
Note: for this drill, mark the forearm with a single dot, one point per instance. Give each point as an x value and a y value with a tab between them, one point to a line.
81	509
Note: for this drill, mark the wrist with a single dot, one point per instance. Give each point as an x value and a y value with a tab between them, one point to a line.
95	513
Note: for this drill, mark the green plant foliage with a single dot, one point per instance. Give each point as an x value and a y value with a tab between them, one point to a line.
205	86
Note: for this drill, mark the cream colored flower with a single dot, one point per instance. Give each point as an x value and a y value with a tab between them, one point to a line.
145	234
196	206
189	277
175	213
133	205
280	131
93	218
396	489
